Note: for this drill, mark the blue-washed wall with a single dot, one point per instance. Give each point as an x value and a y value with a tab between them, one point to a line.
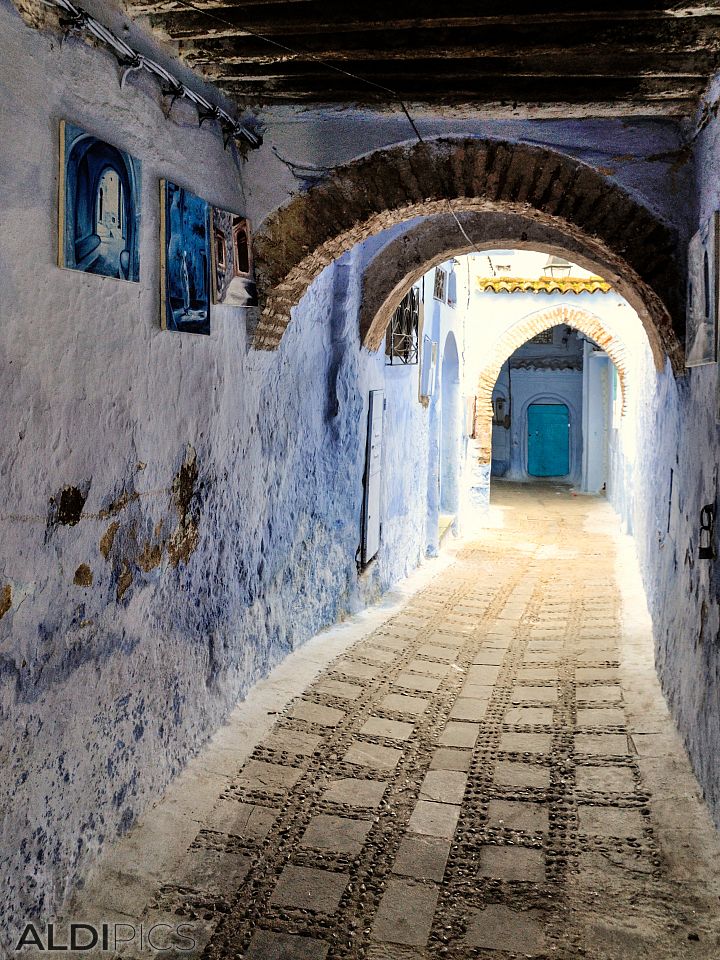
659	488
178	512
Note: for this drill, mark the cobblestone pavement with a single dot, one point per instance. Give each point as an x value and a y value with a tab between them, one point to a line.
471	780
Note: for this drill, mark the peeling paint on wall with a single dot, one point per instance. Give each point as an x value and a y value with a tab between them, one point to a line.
83	576
108	538
66	508
5	599
184	539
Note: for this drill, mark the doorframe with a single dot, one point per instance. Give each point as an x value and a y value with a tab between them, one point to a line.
552	398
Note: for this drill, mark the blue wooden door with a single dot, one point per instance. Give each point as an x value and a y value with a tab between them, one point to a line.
548	440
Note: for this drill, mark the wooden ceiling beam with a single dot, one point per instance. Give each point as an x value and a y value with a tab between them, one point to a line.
189	23
521	89
662	65
255	51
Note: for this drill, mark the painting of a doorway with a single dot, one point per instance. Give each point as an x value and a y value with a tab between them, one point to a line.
99	206
232	260
184	260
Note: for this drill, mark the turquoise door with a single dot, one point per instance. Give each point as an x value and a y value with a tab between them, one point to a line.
548	440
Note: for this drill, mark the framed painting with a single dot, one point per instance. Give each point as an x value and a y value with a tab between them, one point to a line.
99	206
232	260
184	260
702	296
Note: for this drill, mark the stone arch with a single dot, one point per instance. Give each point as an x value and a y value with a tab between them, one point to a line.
575	317
541	189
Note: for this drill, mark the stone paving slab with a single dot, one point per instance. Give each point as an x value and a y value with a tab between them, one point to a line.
444	786
406	913
339	834
498	927
469	708
513	774
316	713
449	758
338	688
434	819
422	857
309	889
403	703
526	742
523	694
458	734
518	815
481	775
389	729
373	755
268	945
356	793
242	819
415	681
267	777
525	864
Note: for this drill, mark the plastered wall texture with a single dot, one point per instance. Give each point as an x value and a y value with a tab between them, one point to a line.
178	512
659	489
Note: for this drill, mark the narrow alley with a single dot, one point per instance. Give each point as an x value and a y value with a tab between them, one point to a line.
491	768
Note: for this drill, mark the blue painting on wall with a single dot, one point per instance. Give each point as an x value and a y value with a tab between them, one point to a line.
185	260
99	216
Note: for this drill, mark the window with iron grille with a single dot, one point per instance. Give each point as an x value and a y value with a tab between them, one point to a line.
440	289
545	337
401	340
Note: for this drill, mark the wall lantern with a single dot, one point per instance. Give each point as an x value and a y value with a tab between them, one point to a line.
501	416
557	267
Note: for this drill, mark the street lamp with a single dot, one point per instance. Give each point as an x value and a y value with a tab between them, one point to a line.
557	267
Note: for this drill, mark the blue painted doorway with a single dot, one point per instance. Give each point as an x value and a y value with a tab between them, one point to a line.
548	440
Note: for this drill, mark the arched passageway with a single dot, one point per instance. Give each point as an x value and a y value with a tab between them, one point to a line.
182	514
536	323
538	189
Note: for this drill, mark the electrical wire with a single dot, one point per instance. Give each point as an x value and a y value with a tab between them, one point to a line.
134	61
79	20
331	66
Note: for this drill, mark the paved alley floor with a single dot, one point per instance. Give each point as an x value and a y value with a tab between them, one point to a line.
490	772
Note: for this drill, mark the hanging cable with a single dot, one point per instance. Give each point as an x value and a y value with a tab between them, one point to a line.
345	73
79	21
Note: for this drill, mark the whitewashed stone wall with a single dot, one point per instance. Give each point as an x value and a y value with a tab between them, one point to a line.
212	495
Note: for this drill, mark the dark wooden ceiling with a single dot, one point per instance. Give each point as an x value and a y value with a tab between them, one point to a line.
603	56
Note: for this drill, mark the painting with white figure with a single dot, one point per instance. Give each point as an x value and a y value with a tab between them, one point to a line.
185	260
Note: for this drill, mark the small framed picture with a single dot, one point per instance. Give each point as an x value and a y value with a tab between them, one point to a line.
702	296
233	282
99	206
184	260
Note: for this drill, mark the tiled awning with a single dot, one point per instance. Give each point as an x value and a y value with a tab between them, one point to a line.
543	285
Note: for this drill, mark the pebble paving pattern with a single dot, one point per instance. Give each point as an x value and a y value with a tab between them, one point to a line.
459	784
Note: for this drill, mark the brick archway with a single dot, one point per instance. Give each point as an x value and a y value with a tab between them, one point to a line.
540	188
575	317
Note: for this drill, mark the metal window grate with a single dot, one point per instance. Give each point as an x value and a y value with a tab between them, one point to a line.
401	341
